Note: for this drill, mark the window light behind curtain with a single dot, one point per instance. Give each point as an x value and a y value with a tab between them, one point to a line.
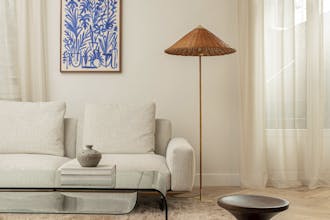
297	91
285	90
286	57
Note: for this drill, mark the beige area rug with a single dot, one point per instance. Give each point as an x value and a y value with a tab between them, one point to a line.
304	204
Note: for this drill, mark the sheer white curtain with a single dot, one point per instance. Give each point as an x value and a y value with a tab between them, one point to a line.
9	88
285	90
23	50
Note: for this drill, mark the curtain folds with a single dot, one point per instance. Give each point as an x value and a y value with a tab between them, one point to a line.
284	77
9	88
24	39
253	160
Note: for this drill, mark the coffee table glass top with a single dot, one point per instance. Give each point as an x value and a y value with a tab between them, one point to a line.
119	198
67	202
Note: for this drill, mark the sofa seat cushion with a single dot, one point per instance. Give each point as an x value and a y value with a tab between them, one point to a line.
29	170
139	162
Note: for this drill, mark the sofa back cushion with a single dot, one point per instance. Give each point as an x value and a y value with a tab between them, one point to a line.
70	137
163	135
36	128
120	128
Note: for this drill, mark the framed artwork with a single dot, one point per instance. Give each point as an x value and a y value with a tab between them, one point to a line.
90	36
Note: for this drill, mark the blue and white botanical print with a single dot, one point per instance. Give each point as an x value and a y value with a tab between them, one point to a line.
90	35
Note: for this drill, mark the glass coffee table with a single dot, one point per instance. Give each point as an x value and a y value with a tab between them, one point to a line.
120	198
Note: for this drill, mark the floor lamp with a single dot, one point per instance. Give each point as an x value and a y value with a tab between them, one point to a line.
200	42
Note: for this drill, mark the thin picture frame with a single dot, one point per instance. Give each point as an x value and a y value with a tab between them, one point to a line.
91	36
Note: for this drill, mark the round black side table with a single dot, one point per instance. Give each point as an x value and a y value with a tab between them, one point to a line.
253	207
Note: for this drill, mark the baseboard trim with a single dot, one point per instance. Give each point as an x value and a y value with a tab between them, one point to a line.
219	179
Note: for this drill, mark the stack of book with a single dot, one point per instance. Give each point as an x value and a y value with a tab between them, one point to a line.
72	174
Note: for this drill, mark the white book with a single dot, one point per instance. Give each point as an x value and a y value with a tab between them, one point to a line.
91	172
87	180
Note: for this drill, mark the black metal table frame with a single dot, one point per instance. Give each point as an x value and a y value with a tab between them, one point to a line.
163	201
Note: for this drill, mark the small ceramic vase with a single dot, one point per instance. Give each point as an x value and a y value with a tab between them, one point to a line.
89	157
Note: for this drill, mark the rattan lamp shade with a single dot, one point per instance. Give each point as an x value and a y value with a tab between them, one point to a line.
200	42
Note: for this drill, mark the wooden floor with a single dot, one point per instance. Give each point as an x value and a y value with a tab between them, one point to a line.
305	204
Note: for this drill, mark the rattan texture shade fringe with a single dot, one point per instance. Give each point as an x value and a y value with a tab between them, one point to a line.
200	42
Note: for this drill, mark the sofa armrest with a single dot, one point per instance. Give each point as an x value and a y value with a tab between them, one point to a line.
180	158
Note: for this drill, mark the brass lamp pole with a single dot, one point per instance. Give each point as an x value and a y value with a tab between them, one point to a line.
200	42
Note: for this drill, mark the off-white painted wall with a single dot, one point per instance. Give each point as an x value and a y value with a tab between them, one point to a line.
149	27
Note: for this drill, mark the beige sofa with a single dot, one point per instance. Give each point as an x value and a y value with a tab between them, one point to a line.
173	157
